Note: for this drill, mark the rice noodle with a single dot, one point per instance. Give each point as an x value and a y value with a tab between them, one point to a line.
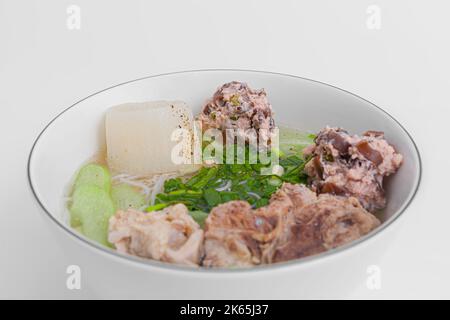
158	187
133	181
150	186
256	196
227	186
120	176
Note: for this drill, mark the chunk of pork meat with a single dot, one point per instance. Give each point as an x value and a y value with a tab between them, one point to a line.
295	224
233	234
170	235
352	165
329	222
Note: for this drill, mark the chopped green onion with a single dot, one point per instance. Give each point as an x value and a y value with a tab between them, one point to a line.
157	207
202	192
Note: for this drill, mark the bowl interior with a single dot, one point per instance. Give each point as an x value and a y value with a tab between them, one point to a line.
78	133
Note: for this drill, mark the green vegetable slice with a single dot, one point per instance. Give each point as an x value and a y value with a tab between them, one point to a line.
125	197
91	208
293	141
93	174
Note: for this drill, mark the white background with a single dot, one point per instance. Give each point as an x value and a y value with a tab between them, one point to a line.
403	67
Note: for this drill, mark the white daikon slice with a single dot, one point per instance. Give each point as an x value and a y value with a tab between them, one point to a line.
145	138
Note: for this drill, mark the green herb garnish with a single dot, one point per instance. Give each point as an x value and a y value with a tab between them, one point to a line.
212	186
199	217
221	183
235	100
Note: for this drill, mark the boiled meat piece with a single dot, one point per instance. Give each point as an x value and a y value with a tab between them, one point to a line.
281	210
327	223
295	224
237	235
233	235
170	235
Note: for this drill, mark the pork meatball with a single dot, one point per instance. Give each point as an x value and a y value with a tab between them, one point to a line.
352	165
236	106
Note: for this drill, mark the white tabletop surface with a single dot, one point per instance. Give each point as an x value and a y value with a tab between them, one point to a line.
403	67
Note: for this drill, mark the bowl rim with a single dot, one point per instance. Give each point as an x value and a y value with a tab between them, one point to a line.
163	266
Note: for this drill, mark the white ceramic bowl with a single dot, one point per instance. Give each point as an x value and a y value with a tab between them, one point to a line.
78	133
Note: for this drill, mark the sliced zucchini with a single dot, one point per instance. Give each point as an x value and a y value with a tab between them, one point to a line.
125	197
293	141
94	174
91	208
